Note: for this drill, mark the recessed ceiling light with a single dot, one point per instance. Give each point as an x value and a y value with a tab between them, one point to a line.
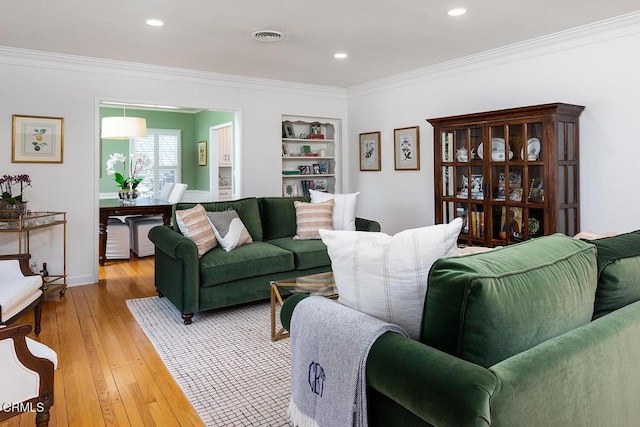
154	22
340	55
457	11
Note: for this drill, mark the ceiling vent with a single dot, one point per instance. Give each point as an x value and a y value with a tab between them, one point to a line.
268	36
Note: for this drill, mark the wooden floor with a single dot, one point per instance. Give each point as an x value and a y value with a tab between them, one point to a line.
108	371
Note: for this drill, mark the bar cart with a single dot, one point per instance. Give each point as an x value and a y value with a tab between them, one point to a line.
23	225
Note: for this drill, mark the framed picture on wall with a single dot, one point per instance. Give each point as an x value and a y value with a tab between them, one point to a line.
202	153
406	148
37	139
370	151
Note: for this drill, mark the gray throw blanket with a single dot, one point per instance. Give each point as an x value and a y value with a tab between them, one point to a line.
329	348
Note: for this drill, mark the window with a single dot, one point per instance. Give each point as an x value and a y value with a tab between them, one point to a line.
162	147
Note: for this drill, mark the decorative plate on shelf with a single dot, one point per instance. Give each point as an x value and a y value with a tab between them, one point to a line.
497	150
533	149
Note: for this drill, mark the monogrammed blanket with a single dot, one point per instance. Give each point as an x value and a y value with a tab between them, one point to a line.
329	348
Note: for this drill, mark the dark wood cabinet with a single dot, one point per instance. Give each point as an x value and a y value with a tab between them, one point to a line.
510	174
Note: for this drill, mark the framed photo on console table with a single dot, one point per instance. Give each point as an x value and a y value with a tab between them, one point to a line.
37	139
370	151
406	148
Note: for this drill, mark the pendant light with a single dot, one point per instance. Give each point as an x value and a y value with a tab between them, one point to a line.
123	127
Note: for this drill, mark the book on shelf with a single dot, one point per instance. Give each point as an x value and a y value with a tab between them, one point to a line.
291	172
307	185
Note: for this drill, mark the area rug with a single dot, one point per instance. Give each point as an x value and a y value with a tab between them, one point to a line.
225	362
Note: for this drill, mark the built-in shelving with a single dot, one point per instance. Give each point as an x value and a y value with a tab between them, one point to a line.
309	147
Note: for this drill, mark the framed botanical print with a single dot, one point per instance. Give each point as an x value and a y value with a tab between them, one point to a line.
370	151
37	139
406	148
202	153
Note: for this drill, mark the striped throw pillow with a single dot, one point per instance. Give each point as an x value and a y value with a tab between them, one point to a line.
311	217
195	225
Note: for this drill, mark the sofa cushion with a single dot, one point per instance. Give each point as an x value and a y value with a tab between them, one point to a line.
247	209
306	253
312	217
278	216
17	293
618	272
229	229
257	259
386	276
489	306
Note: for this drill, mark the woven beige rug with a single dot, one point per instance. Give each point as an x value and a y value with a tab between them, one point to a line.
224	362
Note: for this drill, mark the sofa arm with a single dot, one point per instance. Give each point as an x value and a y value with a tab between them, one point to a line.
437	387
171	242
367	225
177	269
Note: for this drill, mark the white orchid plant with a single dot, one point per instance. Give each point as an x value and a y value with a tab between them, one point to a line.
137	163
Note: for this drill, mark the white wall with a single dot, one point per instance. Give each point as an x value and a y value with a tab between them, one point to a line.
41	84
596	66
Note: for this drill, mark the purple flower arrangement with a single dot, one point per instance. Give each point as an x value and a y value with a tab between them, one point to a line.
7	185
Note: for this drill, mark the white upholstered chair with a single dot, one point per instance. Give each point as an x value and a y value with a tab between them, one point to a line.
165	192
177	193
20	290
26	370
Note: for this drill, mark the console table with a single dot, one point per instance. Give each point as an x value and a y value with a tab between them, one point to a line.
23	225
114	207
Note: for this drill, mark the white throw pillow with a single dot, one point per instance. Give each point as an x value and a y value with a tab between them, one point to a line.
344	208
386	276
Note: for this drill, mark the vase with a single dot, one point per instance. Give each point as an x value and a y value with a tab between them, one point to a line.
12	211
128	196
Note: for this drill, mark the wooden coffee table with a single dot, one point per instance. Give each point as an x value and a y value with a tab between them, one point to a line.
315	284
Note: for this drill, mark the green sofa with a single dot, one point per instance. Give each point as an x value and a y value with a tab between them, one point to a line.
542	333
222	279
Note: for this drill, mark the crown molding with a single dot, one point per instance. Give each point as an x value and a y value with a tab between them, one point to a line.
621	26
65	62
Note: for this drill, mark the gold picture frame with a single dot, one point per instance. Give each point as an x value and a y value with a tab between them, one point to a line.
37	139
202	153
370	151
406	148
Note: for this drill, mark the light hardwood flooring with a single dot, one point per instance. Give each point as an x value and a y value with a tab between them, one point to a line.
108	372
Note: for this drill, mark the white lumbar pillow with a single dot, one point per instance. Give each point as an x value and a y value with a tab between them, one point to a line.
386	276
344	208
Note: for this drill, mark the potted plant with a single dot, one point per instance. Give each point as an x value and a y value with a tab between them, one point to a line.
12	200
137	163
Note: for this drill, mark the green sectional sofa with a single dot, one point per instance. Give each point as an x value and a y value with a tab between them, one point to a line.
222	279
542	333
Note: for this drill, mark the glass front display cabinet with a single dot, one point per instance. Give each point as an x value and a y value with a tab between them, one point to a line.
509	174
